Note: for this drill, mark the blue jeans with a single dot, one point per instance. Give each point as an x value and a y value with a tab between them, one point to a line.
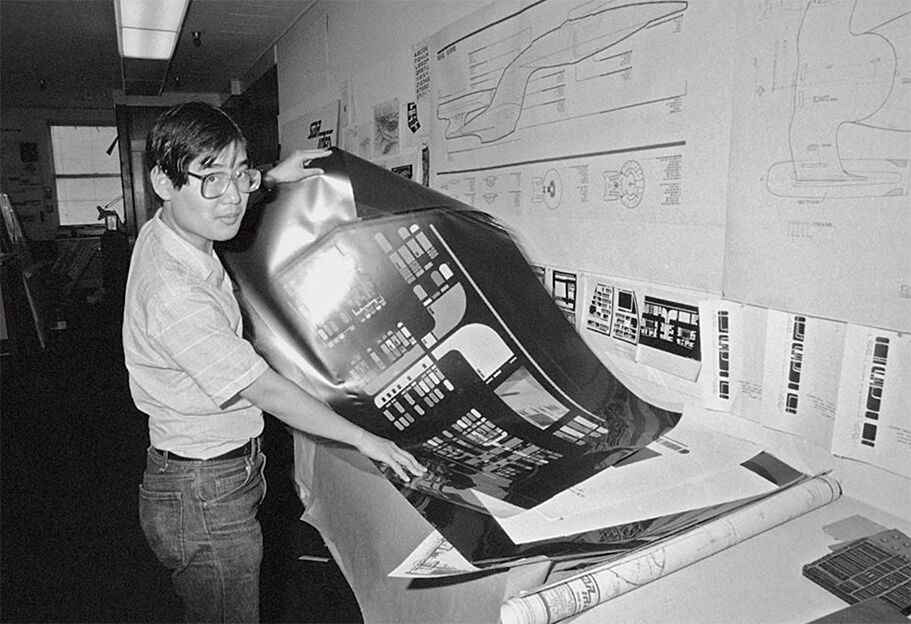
199	517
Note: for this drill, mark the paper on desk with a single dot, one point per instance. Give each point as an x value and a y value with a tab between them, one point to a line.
733	484
659	388
433	557
733	344
801	455
800	376
851	528
873	420
689	468
690	452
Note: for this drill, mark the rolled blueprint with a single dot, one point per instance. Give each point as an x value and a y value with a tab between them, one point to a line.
570	596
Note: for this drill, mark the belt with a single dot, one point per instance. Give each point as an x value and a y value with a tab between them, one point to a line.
241	451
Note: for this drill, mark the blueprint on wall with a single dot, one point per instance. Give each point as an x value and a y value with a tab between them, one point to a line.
572	121
819	215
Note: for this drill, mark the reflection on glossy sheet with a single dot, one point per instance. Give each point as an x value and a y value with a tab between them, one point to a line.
419	319
481	539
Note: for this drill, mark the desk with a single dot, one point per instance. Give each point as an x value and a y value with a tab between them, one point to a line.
370	528
757	580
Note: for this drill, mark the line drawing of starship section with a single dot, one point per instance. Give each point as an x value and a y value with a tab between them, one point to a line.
626	185
492	114
846	78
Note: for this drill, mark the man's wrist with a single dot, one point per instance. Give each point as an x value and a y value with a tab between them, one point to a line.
358	438
268	180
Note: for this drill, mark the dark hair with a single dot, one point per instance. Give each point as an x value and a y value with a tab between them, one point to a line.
187	131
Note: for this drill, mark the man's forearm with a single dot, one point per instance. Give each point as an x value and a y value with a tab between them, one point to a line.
296	407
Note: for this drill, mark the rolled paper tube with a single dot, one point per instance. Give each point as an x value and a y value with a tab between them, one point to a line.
557	601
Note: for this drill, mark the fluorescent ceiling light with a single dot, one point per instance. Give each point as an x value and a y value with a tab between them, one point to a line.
148	28
148	44
153	14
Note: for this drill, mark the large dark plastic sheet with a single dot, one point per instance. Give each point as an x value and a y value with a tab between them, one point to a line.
418	318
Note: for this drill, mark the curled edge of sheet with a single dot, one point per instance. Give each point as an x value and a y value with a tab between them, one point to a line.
555	602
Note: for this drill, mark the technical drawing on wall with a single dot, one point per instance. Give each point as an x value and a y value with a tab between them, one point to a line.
547	190
643	323
851	75
821	160
670	326
491	114
582	112
612	311
626	185
563	289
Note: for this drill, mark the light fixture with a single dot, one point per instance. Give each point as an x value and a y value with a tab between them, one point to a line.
148	29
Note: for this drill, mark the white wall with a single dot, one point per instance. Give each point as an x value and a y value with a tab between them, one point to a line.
371	40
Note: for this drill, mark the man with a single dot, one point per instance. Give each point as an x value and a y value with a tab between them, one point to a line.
202	385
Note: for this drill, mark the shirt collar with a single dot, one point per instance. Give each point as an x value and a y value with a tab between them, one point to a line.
206	264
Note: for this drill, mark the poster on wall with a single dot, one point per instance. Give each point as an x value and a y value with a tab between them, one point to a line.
386	128
733	349
563	286
802	365
873	422
819	217
314	130
22	183
647	334
658	327
837	385
573	122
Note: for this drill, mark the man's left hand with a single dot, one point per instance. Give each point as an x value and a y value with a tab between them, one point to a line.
295	167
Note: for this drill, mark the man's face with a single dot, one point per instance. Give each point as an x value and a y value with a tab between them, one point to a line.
198	220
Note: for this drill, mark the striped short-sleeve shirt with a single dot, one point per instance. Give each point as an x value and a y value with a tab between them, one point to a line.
184	349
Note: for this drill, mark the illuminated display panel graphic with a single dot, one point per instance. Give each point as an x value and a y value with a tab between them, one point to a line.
419	318
410	324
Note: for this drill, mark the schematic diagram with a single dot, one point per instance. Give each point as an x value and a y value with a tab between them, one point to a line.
600	309
563	289
851	89
592	103
613	311
670	326
626	185
547	190
509	64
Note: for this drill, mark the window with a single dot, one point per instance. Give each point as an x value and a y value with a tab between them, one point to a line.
87	175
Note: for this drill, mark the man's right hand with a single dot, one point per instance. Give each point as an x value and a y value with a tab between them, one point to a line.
388	452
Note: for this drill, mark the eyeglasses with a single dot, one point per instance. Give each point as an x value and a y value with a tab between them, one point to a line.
214	185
